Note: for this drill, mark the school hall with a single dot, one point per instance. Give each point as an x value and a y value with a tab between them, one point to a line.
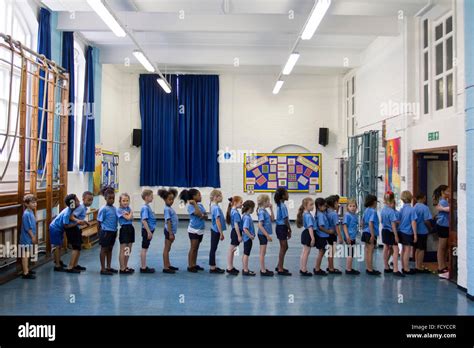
232	157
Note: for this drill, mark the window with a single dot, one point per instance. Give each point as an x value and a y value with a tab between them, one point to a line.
349	96
79	77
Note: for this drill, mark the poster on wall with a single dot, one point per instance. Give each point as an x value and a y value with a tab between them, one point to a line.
106	170
392	167
297	172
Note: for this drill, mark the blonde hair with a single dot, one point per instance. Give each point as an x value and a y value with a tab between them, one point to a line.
125	194
262	199
299	215
406	197
215	193
352	201
146	193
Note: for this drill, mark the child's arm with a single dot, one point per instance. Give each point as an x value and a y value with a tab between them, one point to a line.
128	216
311	234
439	207
171	234
415	234
272	216
34	238
219	227
371	230
237	230
264	231
197	210
325	230
346	233
75	221
428	225
247	232
338	232
287	223
147	228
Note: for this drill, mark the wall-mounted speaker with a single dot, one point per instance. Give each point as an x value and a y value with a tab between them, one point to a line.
137	137
323	136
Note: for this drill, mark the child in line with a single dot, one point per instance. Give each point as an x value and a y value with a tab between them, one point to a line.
423	226
248	235
350	226
390	239
74	234
282	229
28	236
234	219
332	203
441	196
108	222
171	227
370	232
147	216
322	235
127	232
197	217
217	230
64	220
304	218
408	234
265	220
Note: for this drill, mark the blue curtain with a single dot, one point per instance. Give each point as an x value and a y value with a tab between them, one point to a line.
88	123
44	47
68	64
180	131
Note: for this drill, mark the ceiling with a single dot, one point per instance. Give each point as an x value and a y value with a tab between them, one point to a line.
210	35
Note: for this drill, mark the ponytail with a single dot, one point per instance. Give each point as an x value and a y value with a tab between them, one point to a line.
439	191
299	216
229	209
187	195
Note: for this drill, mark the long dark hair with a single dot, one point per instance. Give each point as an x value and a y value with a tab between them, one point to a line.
437	193
319	202
279	194
332	200
187	195
247	206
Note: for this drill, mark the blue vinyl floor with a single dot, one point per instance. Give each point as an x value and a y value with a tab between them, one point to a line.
186	293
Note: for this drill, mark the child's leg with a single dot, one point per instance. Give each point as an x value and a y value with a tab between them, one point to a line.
419	256
386	255
143	257
281	255
192	256
406	258
350	254
109	257
166	254
319	259
369	249
263	251
103	253
212	251
122	256
245	263
57	256
230	257
441	254
331	257
127	252
198	244
395	253
304	258
24	264
74	259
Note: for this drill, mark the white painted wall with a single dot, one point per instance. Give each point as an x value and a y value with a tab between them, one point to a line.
251	118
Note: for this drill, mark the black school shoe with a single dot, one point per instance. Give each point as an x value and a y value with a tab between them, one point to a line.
352	272
217	270
80	268
174	268
388	270
199	268
147	270
113	270
232	271
28	276
62	264
398	274
284	270
72	270
319	273
248	273
422	271
267	273
192	269
334	271
284	273
59	269
410	272
106	273
305	274
169	270
373	272
32	272
125	271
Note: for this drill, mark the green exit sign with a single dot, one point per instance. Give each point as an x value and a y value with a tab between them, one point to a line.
433	136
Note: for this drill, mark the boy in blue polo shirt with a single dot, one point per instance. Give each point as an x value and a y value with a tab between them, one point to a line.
423	226
147	216
108	222
407	229
370	232
248	235
28	236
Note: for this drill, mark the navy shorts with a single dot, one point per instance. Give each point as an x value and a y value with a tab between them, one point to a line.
321	242
405	239
332	239
107	238
281	232
195	236
443	231
366	238
167	235
74	237
421	240
127	234
388	238
234	239
262	239
306	238
145	241
248	247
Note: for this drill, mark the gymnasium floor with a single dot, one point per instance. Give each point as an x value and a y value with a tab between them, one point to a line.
209	294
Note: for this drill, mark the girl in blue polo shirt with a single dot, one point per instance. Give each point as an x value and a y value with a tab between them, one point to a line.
197	217
248	235
304	218
370	232
265	220
234	219
28	236
441	195
171	227
389	217
217	229
127	232
108	222
332	203
322	235
350	226
423	226
148	219
282	228
407	228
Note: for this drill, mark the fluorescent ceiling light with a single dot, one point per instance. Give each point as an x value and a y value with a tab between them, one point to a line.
290	63
277	87
164	84
107	17
315	18
143	60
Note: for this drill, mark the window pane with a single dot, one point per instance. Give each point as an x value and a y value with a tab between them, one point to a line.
425	67
426	100
439	31
439	94
353	85
425	33
353	126
449	53
347	89
449	90
347	109
449	25
439	58
353	105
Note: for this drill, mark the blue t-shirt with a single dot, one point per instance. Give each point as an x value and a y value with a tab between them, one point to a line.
282	214
170	214
264	216
108	218
309	221
352	223
80	212
195	221
407	216
146	213
423	214
333	219
370	215
247	223
216	213
235	218
28	222
60	220
322	220
442	219
388	215
120	212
